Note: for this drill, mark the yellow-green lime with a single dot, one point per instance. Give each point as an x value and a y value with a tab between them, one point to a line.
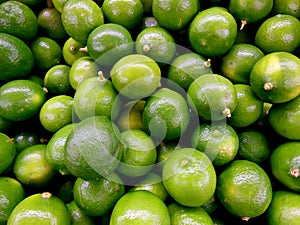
140	208
79	18
275	77
289	7
78	216
11	193
7	152
59	4
136	76
285	164
244	189
40	208
219	141
21	99
72	50
189	177
97	197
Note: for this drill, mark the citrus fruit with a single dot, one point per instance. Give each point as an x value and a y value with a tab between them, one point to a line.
149	21
188	215
56	112
166	114
21	99
18	20
219	142
108	43
11	193
184	69
248	109
275	77
7	153
95	97
46	52
164	149
238	62
78	217
280	33
212	96
5	124
212	32
40	208
79	18
56	79
289	7
189	177
244	189
285	164
97	197
93	149
164	12
157	43
59	4
32	168
211	205
284	208
81	69
140	208
125	13
284	119
135	76
55	150
25	139
17	59
72	50
250	11
254	146
138	153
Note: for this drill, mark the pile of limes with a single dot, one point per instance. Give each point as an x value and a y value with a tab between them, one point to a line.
150	112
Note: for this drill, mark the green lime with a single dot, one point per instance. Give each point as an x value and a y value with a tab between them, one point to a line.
275	77
7	153
46	52
248	109
188	215
238	62
149	21
250	11
36	79
21	99
175	14
56	112
212	96
284	119
157	43
166	114
40	208
138	153
56	79
189	177
50	24
65	191
136	76
25	139
79	18
147	5
184	69
108	43
95	97
81	69
31	3
164	150
73	50
59	4
211	205
280	33
55	151
93	149
78	216
5	124
219	142
285	164
17	59
18	20
125	13
289	7
284	208
97	197
254	146
212	32
32	168
11	193
153	183
140	208
244	189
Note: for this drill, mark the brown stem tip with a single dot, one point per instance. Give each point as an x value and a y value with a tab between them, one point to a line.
268	86
46	195
243	24
226	112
